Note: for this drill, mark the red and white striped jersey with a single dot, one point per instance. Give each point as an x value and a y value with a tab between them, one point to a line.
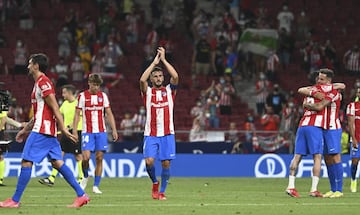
271	62
44	119
353	109
159	104
93	111
310	117
332	111
352	60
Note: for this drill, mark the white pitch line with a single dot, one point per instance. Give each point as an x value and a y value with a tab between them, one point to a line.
167	204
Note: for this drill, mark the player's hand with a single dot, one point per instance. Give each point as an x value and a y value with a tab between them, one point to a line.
157	58
115	135
355	145
161	51
21	135
319	95
72	137
75	135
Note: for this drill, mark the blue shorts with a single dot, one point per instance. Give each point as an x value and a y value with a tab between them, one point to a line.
94	141
354	153
309	140
162	148
332	141
38	146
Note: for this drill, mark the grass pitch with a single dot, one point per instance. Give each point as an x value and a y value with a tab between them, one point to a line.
185	196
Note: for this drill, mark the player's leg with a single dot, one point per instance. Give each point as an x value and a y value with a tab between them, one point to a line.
99	156
101	145
2	169
150	151
78	157
332	150
88	145
300	149
166	154
35	150
316	176
355	156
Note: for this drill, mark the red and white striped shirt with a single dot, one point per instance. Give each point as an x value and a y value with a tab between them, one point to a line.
159	104
44	119
332	111
310	117
352	60
93	111
271	62
353	109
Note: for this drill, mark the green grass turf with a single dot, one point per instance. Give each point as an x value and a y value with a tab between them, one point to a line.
185	196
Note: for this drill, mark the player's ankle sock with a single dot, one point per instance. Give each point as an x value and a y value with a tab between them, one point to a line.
165	175
2	170
331	175
24	178
314	183
53	175
151	172
339	171
353	171
80	170
291	181
86	172
97	180
69	177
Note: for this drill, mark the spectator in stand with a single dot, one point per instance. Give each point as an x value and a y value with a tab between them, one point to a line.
132	29
197	110
96	47
85	57
127	125
201	59
200	25
285	18
354	89
233	137
285	47
168	19
62	71
263	87
303	26
77	70
316	62
196	129
351	61
226	91
272	65
71	21
90	27
289	115
250	129
218	55
139	120
97	62
26	21
104	25
330	53
2	38
231	61
113	53
21	57
276	100
4	70
212	105
156	12
270	120
64	38
151	41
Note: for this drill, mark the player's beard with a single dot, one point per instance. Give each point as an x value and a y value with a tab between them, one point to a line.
158	85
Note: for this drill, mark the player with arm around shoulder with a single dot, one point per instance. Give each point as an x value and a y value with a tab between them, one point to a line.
159	134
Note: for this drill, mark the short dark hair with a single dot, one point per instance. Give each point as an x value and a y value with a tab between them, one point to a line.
69	87
95	78
42	60
156	69
328	72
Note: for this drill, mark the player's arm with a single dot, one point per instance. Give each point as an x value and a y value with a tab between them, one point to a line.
316	106
111	120
145	76
14	123
52	103
174	80
2	122
339	86
351	124
311	91
21	135
76	122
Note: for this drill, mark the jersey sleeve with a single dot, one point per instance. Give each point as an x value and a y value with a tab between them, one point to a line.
350	109
81	101
46	87
106	100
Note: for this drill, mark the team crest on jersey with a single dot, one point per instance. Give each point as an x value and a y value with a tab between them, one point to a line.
163	93
100	99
